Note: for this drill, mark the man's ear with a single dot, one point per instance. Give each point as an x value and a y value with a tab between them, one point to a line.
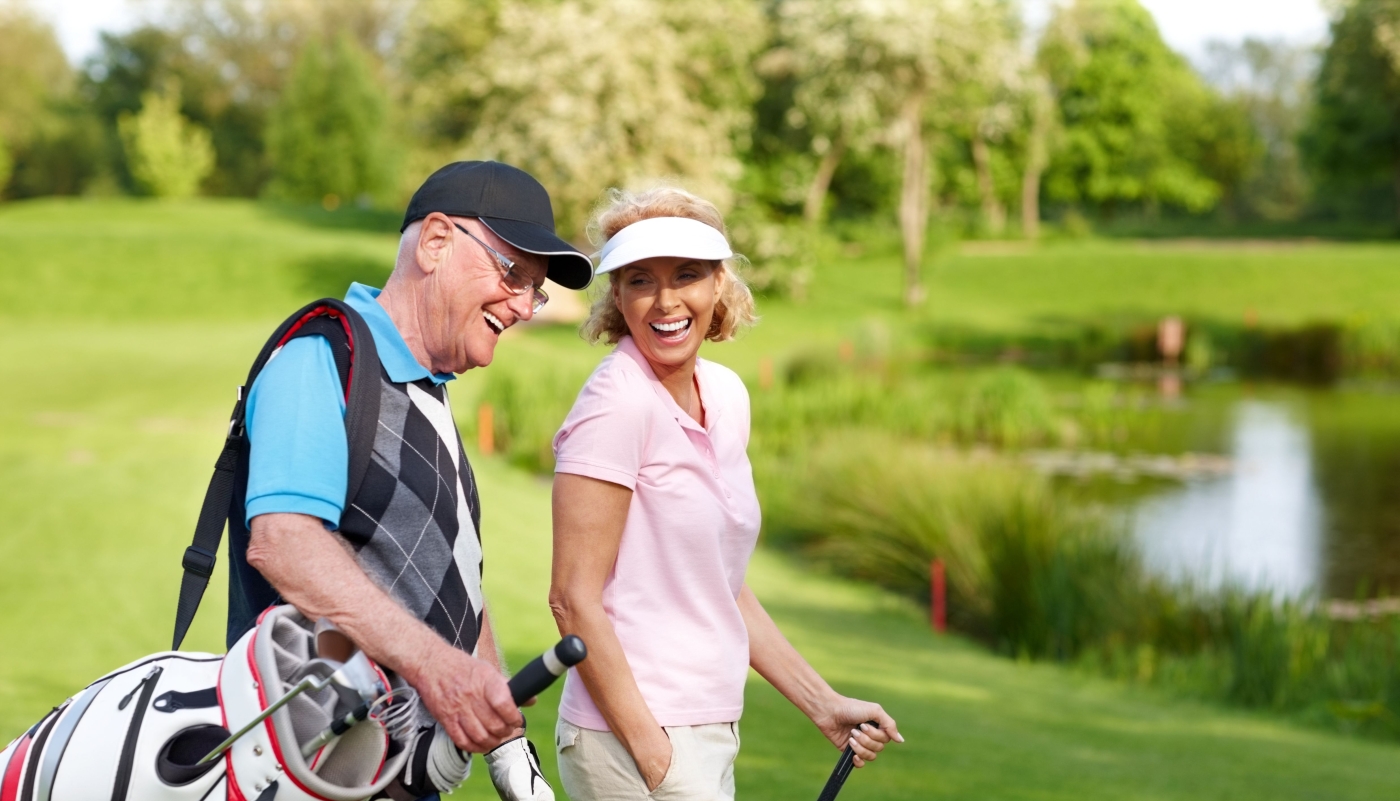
435	242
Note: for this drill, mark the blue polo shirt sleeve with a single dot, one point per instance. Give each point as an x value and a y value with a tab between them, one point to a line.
298	456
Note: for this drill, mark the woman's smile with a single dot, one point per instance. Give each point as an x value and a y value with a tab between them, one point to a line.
671	331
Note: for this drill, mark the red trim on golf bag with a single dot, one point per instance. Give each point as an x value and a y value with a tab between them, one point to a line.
331	312
9	786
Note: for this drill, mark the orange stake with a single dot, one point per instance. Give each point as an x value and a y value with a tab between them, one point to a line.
485	429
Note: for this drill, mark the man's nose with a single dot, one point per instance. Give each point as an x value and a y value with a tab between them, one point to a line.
522	305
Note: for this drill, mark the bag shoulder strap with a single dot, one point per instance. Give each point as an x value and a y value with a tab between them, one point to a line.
357	362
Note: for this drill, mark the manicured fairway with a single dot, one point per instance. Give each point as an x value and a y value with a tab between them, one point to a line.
109	427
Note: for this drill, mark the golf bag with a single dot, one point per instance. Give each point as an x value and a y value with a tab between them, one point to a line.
140	732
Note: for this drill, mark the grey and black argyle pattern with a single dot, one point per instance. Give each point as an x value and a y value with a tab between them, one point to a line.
416	519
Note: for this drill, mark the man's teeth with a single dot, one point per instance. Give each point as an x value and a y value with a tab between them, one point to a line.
493	321
667	328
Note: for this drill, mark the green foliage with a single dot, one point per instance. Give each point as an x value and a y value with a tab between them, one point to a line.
44	129
528	404
1139	126
1352	140
7	166
1008	407
1269	83
169	156
327	134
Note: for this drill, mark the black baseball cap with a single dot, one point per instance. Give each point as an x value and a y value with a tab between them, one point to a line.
511	203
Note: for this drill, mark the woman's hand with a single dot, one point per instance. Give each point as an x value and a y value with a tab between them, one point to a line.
653	758
845	721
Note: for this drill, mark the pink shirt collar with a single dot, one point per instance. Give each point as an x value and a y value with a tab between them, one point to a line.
627	346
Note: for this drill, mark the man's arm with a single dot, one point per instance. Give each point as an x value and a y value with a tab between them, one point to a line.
314	571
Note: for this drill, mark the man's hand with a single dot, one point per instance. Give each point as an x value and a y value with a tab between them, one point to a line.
469	697
315	572
844	722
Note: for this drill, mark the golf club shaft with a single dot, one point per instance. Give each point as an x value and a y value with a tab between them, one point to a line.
336	729
308	683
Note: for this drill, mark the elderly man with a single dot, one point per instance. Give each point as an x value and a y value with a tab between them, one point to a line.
398	566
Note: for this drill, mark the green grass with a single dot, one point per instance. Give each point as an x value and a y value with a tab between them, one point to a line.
110	418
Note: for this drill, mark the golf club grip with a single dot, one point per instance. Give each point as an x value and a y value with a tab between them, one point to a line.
838	775
843	769
536	677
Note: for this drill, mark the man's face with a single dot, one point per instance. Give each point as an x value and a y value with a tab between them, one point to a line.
467	305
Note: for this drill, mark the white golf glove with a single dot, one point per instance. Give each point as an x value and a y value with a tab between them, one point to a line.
515	770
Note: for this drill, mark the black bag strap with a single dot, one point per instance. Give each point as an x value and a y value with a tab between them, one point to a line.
357	362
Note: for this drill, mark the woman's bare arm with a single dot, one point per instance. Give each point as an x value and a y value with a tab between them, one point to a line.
589	516
841	719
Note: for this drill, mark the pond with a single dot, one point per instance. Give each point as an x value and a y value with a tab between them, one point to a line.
1310	504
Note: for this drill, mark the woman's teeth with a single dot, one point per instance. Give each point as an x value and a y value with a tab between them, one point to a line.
673	330
493	321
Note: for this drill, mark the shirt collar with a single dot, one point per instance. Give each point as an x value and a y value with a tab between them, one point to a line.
627	346
394	354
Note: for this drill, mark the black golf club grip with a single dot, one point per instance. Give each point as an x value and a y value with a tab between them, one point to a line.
536	677
843	769
838	775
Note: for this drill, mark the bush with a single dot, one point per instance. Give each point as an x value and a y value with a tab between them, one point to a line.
528	406
168	155
1027	572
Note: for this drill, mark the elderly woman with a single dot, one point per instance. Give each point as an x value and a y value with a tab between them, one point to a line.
655	519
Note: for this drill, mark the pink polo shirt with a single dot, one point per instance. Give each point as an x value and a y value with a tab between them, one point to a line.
673	593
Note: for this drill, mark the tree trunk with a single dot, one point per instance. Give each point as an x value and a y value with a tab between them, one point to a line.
1397	189
821	182
914	198
1036	159
993	213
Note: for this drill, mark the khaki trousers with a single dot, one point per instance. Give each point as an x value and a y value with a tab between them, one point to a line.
594	765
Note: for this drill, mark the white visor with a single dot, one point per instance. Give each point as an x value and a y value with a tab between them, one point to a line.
663	236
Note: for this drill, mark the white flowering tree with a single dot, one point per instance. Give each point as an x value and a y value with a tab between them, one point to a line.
890	71
588	94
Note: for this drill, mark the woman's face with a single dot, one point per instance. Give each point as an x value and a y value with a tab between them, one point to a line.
668	303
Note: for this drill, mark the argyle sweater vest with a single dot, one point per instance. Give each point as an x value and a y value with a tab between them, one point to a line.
415	522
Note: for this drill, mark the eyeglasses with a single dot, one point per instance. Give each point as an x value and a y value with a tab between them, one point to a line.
516	281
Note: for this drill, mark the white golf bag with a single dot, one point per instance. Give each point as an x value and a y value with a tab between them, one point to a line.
141	732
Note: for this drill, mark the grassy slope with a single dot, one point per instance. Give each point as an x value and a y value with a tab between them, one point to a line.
107	433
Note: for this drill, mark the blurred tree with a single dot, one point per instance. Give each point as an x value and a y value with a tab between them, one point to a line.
128	67
42	128
167	153
1351	142
1269	82
231	59
1131	110
587	94
326	135
7	166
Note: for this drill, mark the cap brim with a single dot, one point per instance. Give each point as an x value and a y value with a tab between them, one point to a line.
568	267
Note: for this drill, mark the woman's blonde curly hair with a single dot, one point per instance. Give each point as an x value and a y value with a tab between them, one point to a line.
734	310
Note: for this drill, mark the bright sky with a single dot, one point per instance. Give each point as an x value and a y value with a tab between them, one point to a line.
1186	24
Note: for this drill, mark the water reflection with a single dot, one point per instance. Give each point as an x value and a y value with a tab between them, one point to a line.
1260	526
